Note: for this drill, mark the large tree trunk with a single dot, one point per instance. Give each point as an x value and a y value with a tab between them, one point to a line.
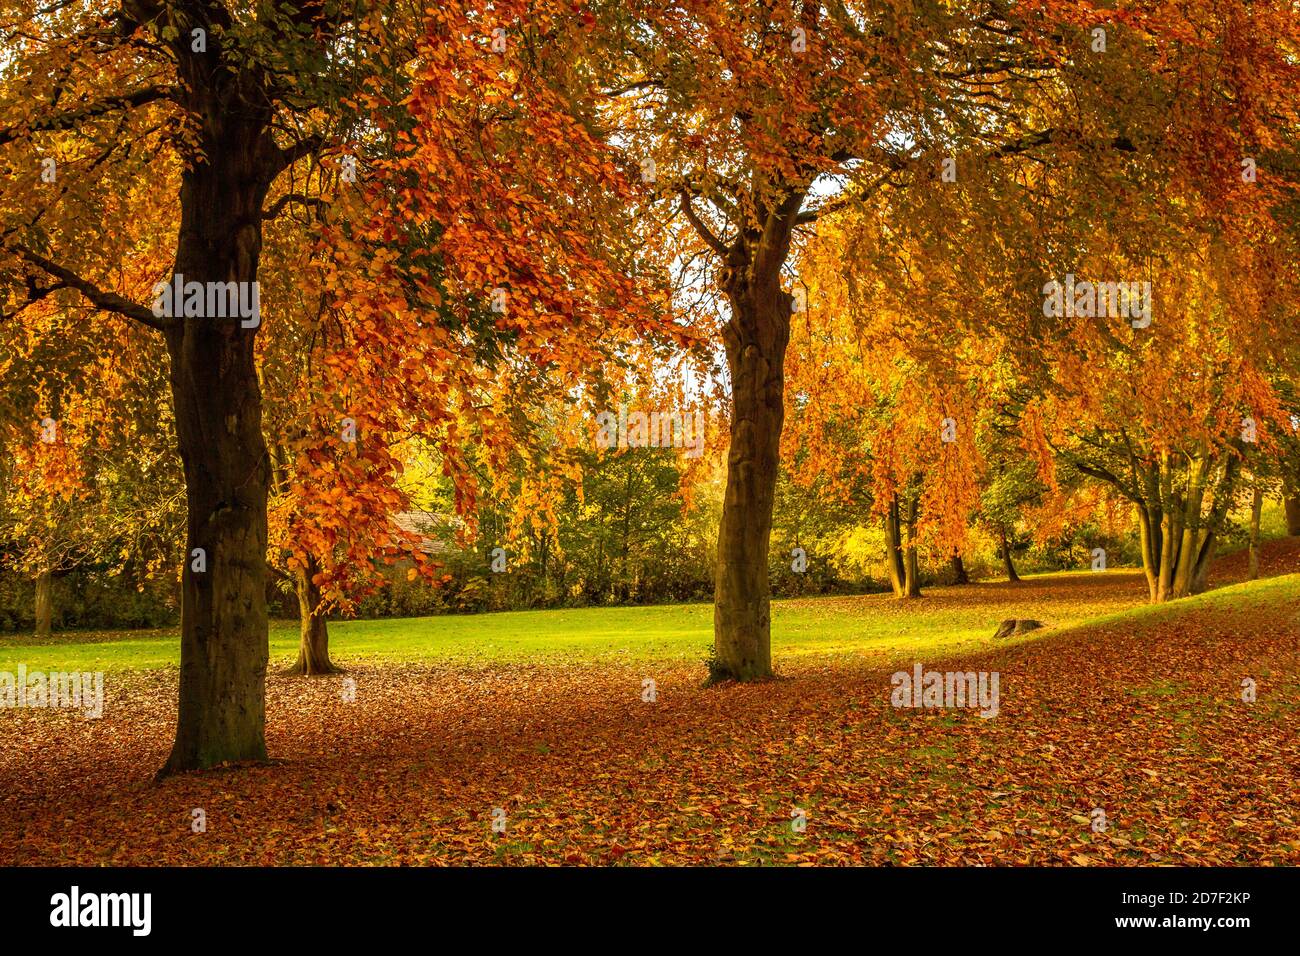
1171	533
959	575
1292	506
1185	571
1149	533
1188	537
44	603
1007	565
1224	491
223	606
1190	542
314	641
755	337
219	427
1151	521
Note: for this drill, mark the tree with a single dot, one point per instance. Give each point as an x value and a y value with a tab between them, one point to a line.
1187	384
886	395
1170	418
86	478
203	83
1288	467
757	120
49	507
215	105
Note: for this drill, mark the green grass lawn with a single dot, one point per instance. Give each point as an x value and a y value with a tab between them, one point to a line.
947	620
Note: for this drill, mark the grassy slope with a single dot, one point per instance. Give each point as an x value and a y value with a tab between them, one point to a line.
1136	711
873	626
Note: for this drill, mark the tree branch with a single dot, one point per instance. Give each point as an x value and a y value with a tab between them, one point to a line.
108	301
648	84
714	243
59	121
898	164
841	201
296	151
298	198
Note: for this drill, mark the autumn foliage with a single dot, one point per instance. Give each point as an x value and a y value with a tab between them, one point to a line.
941	280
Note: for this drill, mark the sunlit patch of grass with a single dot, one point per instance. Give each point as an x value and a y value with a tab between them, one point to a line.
874	629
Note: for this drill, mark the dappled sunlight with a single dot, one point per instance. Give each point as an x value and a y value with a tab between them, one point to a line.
407	773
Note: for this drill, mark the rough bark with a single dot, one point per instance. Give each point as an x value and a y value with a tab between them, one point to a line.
959	575
1223	496
1292	506
1150	549
44	603
911	565
218	407
223	607
755	338
313	642
756	341
1007	564
894	551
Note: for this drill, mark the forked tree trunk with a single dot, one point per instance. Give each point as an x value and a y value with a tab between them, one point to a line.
900	545
959	575
1193	536
44	603
1178	539
1149	532
1292	506
1187	537
218	407
1209	539
1185	563
755	337
314	642
1007	565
